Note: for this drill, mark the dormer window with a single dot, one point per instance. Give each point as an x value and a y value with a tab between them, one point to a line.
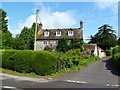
70	33
58	33
46	33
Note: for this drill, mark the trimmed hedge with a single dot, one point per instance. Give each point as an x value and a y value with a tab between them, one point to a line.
116	61
27	61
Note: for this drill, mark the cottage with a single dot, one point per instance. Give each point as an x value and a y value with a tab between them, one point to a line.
50	37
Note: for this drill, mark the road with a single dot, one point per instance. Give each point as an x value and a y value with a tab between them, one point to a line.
96	75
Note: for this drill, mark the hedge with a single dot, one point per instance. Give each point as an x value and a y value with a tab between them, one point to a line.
116	61
116	50
27	61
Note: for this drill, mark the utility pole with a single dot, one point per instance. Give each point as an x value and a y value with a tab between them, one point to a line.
37	11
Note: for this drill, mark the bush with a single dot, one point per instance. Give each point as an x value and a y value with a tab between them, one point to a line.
71	58
39	62
116	50
116	61
109	52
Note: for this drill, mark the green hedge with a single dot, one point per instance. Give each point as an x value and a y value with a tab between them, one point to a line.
39	62
116	50
116	61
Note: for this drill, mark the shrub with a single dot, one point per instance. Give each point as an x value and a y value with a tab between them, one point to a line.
116	61
39	62
71	58
116	50
109	52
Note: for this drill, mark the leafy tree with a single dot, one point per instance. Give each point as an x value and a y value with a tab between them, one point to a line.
76	43
6	36
25	37
105	38
32	36
25	40
62	45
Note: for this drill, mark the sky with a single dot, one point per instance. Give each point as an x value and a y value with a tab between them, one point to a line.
62	15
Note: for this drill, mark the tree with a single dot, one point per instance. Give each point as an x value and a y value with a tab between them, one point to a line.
32	36
25	40
6	36
76	43
105	38
62	45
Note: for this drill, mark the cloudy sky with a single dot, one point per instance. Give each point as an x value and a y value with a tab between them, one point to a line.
62	15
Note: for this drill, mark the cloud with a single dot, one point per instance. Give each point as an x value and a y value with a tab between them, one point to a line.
56	19
113	6
7	18
50	19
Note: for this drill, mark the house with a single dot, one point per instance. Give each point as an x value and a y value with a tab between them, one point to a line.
94	49
50	37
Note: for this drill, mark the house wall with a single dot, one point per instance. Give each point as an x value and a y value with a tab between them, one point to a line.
96	51
99	52
40	44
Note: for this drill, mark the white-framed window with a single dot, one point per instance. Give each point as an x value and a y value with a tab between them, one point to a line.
45	42
56	42
70	33
58	33
46	33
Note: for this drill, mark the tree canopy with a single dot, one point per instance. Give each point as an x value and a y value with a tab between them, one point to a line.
105	38
5	35
25	40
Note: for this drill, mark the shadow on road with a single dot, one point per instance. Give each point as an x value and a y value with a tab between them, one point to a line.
109	67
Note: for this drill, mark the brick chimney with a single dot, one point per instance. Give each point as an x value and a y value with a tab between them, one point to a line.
40	28
81	24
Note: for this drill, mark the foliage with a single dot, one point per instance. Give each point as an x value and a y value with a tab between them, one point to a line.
76	43
116	50
71	58
48	48
116	61
25	40
105	38
5	35
39	62
109	52
64	46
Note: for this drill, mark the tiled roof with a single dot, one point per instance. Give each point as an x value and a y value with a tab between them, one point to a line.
78	33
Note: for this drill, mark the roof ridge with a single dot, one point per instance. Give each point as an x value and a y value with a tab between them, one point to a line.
59	28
